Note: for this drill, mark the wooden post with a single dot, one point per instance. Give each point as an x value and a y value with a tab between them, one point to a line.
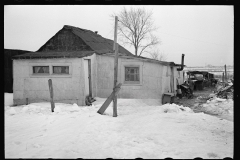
26	101
223	77
51	94
225	72
115	48
208	80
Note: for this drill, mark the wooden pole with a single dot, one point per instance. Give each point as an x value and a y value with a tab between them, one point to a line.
223	77
26	101
225	72
51	94
115	48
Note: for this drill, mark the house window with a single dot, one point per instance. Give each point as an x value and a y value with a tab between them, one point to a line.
60	69
40	69
132	74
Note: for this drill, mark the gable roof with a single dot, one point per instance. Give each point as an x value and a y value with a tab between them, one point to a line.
96	42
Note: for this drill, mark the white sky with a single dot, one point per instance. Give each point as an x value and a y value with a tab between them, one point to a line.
203	33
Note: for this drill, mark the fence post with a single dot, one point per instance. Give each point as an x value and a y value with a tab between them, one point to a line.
51	94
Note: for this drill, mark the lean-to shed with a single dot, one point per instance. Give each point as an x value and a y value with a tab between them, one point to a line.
80	62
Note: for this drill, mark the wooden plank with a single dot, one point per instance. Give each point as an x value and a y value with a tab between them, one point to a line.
51	94
109	99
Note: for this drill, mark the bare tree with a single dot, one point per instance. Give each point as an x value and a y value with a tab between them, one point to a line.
135	28
156	54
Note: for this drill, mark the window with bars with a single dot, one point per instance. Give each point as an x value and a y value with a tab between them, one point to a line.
132	74
40	69
60	69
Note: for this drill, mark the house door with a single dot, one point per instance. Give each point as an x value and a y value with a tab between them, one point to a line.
87	71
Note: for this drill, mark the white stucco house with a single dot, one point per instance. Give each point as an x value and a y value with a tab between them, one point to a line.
80	62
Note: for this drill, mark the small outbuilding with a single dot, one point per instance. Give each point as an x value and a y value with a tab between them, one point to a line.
8	68
80	63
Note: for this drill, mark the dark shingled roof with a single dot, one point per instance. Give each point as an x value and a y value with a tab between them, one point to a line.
96	42
37	55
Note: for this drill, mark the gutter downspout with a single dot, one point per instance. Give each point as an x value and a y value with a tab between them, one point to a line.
180	69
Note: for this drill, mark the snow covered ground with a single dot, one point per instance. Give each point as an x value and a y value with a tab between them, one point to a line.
8	99
142	129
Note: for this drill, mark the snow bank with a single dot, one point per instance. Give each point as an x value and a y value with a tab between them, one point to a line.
143	129
220	107
174	108
8	99
12	111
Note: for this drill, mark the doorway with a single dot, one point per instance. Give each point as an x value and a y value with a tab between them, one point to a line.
87	77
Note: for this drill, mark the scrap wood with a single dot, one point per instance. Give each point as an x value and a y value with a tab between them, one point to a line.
226	92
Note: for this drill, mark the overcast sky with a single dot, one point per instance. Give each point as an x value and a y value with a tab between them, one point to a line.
203	33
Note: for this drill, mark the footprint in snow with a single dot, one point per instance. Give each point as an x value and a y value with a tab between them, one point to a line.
36	145
17	142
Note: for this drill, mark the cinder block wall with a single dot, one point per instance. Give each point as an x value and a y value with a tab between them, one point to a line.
36	89
153	79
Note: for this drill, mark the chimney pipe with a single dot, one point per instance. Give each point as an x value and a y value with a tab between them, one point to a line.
96	32
180	69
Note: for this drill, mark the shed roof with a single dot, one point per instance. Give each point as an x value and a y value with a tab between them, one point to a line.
96	42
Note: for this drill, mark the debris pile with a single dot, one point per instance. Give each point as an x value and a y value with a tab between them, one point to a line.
225	90
187	89
89	100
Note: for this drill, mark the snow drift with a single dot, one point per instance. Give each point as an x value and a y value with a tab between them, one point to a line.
143	129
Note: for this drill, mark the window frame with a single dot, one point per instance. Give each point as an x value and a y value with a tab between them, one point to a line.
131	82
60	73
50	74
41	73
131	63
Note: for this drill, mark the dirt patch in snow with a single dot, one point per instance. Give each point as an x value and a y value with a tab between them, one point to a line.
199	101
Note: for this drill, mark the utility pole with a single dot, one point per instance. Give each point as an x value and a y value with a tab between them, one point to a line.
116	88
115	49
